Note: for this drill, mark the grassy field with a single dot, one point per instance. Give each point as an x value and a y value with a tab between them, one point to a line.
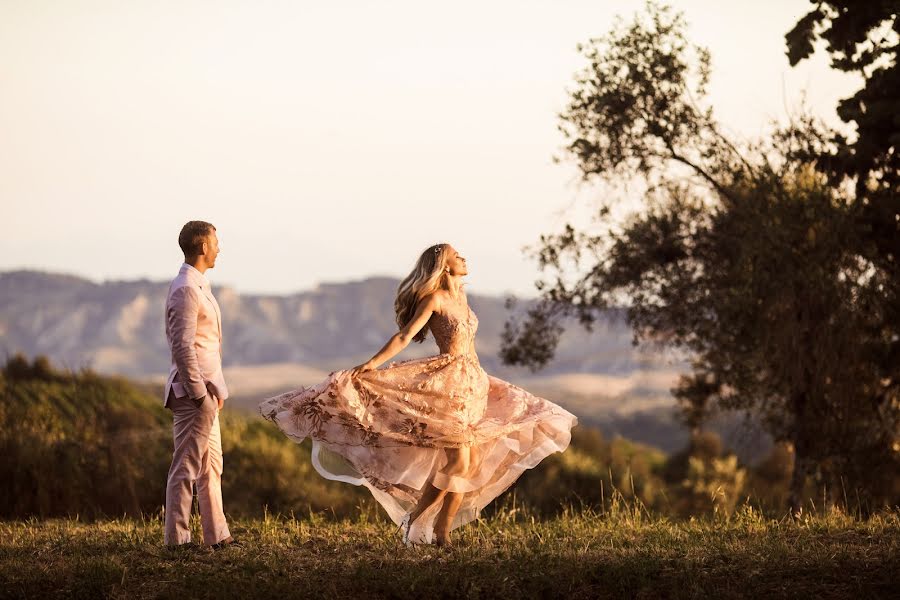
617	554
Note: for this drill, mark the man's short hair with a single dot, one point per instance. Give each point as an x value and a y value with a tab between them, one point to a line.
193	235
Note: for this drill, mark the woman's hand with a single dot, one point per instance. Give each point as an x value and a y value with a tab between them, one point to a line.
366	366
401	339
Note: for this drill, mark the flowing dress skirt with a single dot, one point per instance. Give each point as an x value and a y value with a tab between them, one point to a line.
390	430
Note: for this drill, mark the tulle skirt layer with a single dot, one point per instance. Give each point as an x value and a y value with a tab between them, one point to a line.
438	421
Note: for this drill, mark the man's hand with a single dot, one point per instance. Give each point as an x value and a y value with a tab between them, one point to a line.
209	392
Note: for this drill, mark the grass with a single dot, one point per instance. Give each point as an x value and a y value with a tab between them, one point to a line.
578	555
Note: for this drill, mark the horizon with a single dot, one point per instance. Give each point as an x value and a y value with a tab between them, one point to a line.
226	285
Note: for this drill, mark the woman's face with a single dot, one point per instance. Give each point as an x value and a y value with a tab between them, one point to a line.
456	264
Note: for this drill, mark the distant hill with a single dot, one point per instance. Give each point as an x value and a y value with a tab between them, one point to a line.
276	342
117	326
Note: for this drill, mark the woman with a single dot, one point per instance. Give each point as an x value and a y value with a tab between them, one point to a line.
434	439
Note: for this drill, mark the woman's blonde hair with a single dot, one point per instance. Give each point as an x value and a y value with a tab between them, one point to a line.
428	276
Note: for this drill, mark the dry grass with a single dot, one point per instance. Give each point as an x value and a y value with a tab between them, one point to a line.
621	553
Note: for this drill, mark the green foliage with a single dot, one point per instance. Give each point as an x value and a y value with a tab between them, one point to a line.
713	482
82	444
589	474
862	37
771	477
633	110
76	443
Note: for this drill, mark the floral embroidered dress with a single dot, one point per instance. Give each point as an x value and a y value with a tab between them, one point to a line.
388	429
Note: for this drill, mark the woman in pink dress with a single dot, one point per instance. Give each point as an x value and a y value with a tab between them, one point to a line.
434	439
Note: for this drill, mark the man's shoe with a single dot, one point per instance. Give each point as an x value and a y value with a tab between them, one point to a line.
228	542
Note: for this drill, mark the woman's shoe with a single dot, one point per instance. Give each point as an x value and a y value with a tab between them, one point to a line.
404	528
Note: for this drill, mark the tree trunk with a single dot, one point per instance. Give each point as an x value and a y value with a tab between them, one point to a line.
798	480
801	455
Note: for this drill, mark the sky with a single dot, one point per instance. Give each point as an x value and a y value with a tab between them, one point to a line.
327	141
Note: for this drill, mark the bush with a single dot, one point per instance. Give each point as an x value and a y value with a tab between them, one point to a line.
76	443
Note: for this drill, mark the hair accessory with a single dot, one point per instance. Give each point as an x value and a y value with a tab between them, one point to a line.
438	248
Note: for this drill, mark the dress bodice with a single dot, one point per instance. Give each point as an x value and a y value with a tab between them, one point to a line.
454	330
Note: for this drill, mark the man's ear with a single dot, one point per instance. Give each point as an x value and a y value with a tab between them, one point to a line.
204	247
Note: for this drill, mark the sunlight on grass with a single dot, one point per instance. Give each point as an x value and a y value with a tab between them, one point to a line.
624	550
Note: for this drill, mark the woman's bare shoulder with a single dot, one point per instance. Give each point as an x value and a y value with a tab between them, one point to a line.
434	300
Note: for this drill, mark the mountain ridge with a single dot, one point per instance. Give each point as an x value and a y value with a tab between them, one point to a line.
117	326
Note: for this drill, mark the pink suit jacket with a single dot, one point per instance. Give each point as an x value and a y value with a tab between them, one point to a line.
194	333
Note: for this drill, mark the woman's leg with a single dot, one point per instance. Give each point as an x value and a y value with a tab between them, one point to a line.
433	494
454	499
442	524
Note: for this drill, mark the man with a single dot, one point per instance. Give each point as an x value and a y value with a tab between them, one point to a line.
195	392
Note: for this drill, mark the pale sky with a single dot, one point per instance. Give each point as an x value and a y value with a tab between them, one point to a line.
327	141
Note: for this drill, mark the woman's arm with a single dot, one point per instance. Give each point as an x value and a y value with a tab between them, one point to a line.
466	298
401	339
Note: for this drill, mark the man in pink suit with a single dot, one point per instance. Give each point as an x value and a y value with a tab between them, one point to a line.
195	392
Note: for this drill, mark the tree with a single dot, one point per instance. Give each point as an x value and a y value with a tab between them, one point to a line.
744	256
861	37
696	394
864	37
